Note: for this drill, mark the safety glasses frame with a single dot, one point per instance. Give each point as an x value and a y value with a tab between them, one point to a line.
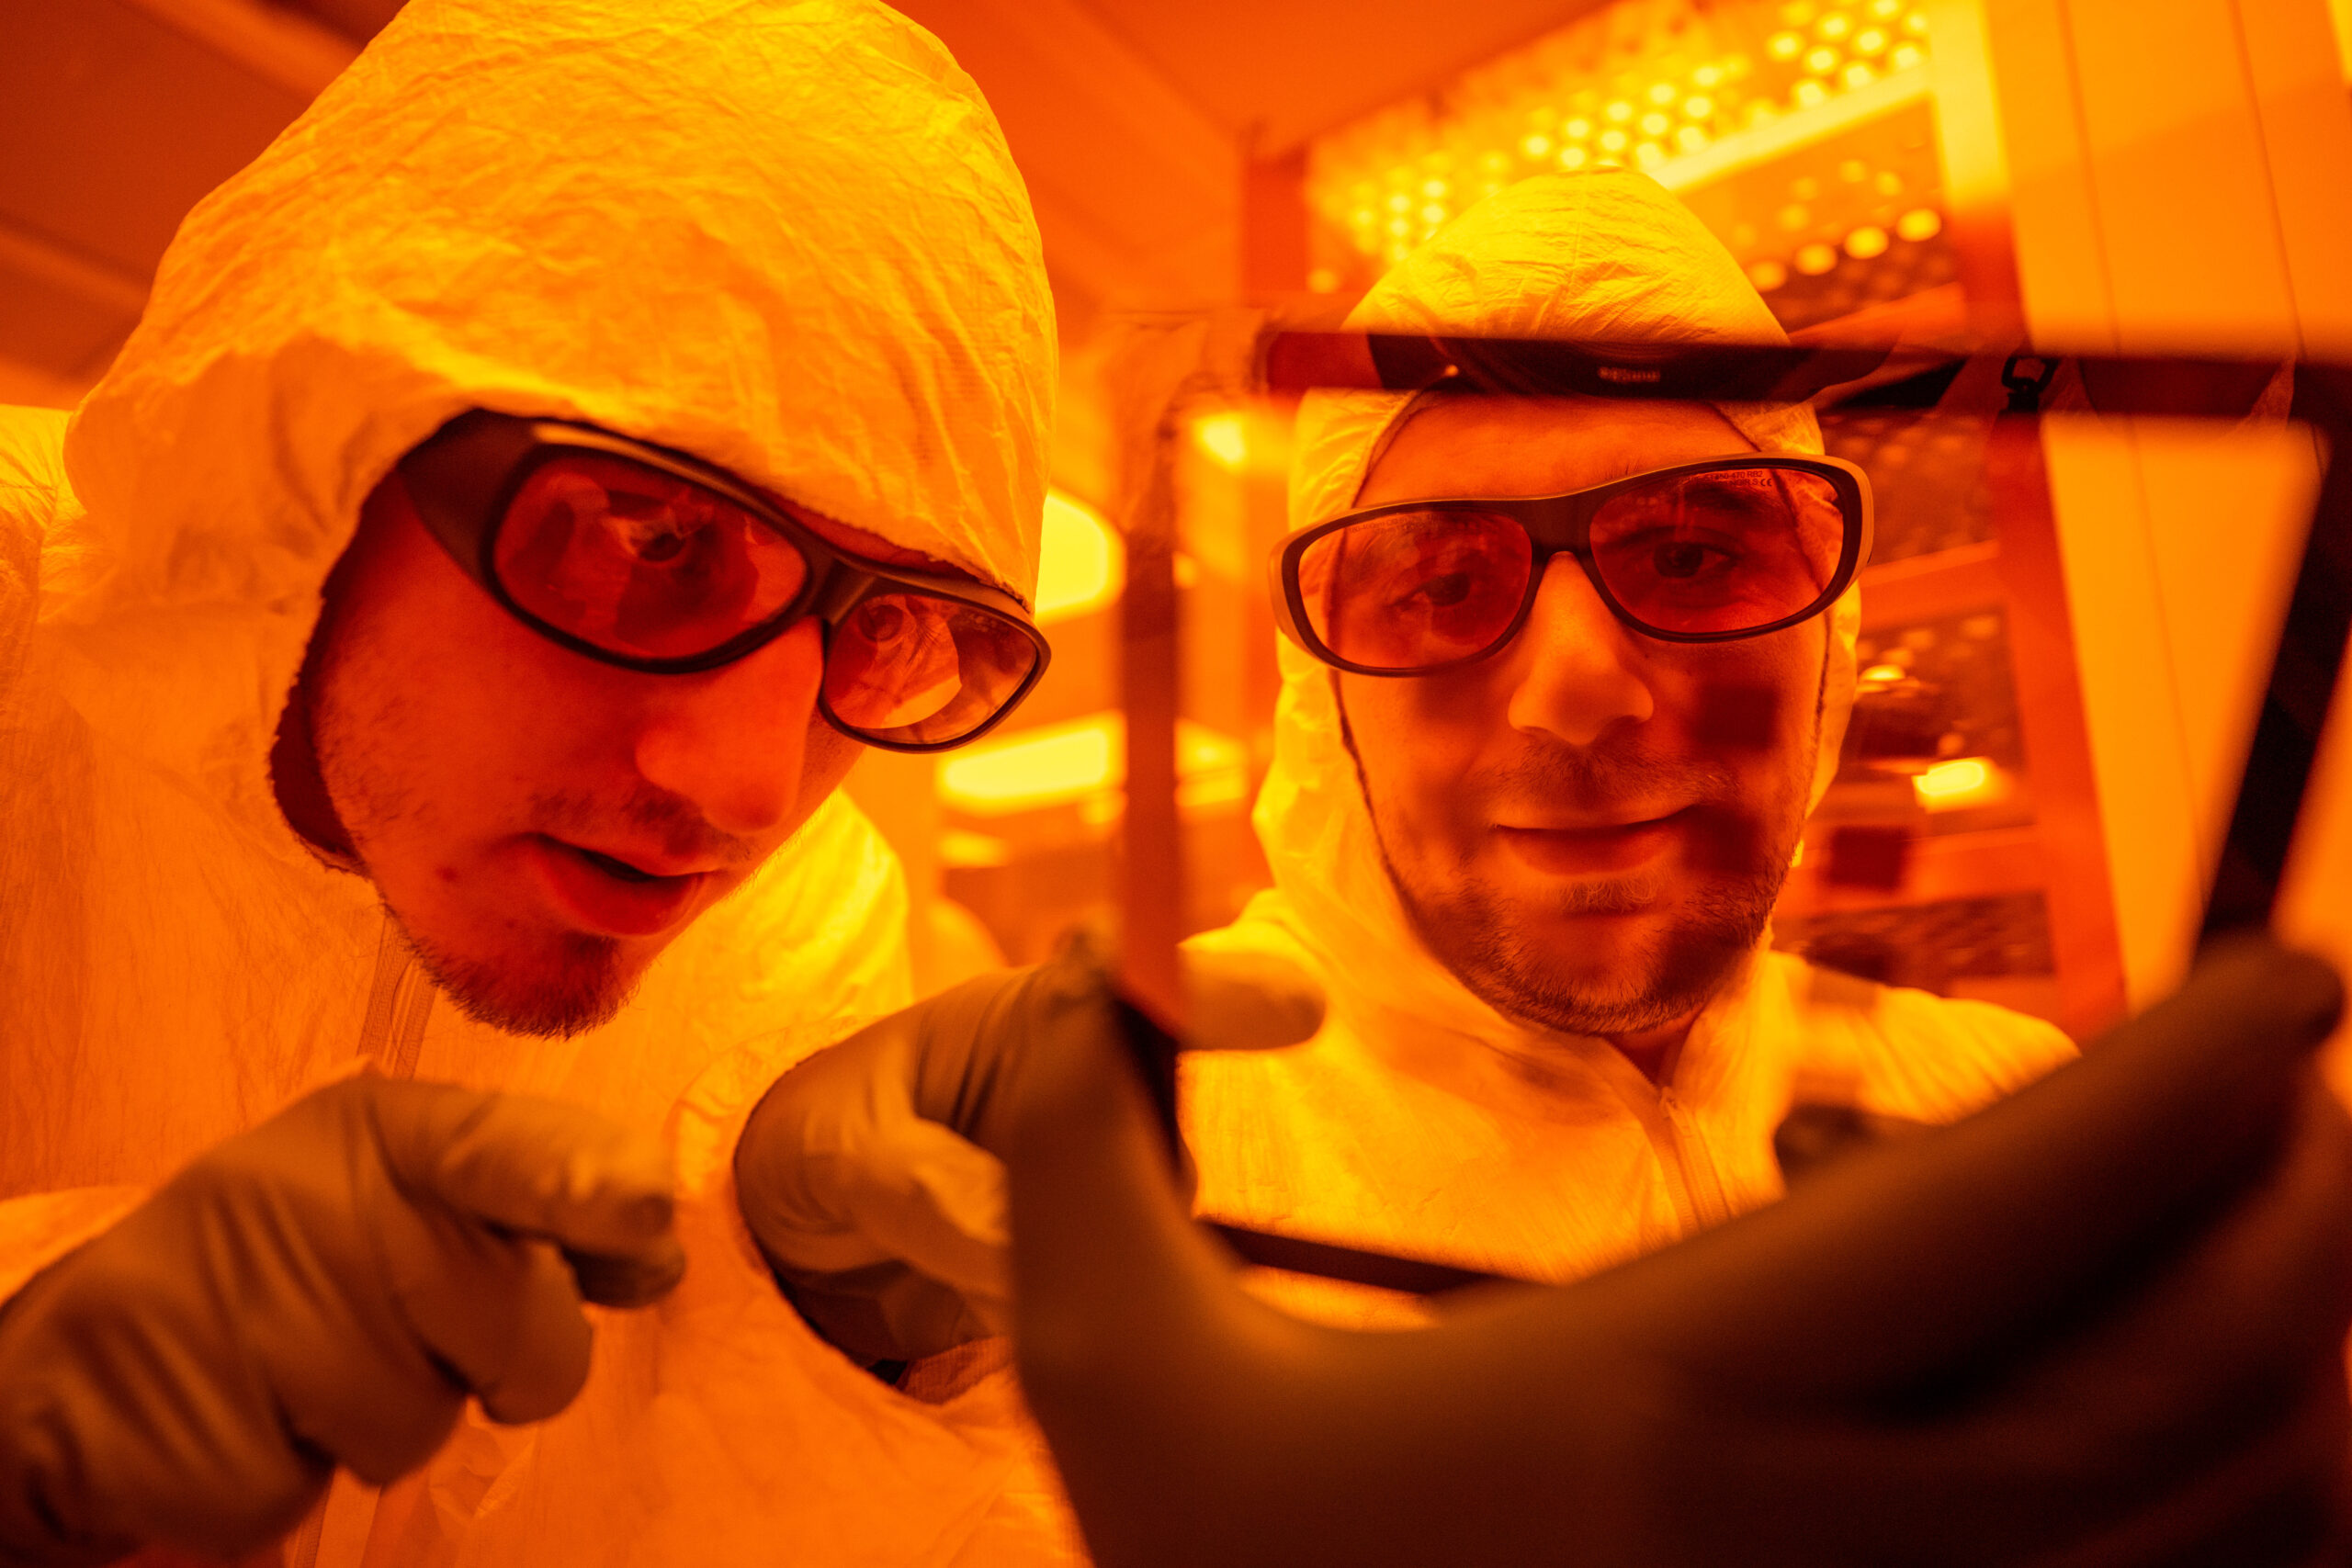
1556	525
462	479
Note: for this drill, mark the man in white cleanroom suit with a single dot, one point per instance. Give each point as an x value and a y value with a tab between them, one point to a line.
550	830
1558	1038
1535	887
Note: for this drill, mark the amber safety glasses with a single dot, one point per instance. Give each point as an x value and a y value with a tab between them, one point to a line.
652	562
1701	552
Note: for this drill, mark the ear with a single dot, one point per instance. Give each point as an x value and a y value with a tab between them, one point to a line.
294	774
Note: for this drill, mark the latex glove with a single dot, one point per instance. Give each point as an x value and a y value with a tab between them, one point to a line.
2101	1323
326	1288
858	1173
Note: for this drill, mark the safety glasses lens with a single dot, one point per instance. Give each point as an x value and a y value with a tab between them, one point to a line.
1725	550
1413	589
911	670
639	563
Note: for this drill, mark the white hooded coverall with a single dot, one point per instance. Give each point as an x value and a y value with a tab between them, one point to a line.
1421	1121
783	235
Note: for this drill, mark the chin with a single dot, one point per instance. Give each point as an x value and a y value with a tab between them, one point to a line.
567	986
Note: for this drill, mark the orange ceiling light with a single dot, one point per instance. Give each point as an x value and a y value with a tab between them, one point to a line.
1081	566
1697	76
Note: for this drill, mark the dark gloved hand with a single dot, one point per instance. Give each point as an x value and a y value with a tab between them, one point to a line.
325	1289
859	1173
2101	1323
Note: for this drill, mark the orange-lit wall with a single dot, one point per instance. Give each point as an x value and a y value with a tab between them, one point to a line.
2172	186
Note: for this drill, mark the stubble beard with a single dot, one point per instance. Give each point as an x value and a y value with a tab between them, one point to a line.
579	987
576	983
1467	928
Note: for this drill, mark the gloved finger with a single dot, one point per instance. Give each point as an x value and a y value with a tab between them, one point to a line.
2246	1323
535	1167
626	1280
2158	1418
500	1313
925	1196
1907	1258
1248	1001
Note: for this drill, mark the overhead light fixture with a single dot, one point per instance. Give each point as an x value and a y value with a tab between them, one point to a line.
1080	564
1223	436
960	848
1964	781
1056	764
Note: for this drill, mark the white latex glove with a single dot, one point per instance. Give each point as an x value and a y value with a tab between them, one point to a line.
325	1289
860	1176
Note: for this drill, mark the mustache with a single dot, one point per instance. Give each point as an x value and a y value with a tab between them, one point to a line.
1729	833
671	821
1592	778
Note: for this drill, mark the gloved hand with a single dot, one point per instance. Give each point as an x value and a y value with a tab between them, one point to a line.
859	1174
325	1289
2101	1323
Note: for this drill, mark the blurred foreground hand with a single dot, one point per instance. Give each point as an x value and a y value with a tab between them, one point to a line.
325	1289
2100	1323
862	1173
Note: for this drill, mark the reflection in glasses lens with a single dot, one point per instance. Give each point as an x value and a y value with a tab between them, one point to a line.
639	562
911	670
1721	551
1414	589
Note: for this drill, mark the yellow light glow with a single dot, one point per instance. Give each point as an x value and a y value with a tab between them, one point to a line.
1649	154
1905	56
1870	40
1821	62
1079	563
1785	46
1861	73
1224	439
1867	242
1815	259
1797	12
1656	124
1690	139
1434	189
1615	140
964	849
1853	171
1920	224
1766	276
1575	158
1536	146
1698	107
1620	111
1961	782
1834	26
1882	675
1794	217
1322	280
1207	791
1810	94
1061	763
1399	202
1662	92
1707	77
1434	214
1885	10
1915	24
1578	130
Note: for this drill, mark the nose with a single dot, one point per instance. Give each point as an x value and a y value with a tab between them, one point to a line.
1575	670
731	740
